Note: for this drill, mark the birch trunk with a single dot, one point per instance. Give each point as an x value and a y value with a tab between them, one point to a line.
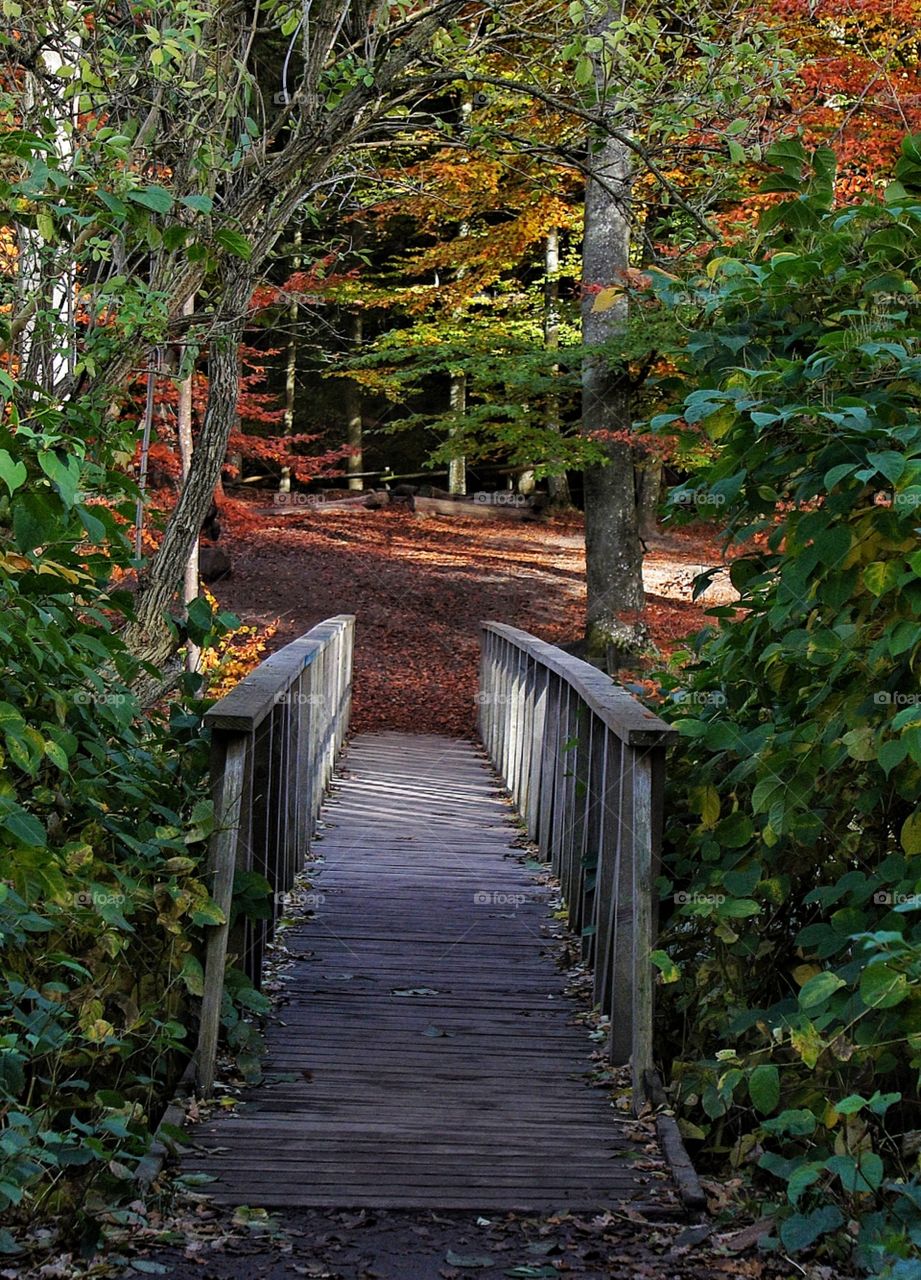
557	483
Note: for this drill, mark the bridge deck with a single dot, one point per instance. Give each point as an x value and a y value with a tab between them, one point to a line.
424	1055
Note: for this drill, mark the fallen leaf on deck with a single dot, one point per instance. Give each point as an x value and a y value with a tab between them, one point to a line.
468	1261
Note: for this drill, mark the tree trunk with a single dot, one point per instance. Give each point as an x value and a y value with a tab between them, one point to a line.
557	483
353	427
186	451
284	484
457	466
613	554
150	635
648	489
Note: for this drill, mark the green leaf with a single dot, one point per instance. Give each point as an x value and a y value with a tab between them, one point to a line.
819	988
881	576
882	987
155	198
861	743
864	1174
793	1123
835	474
12	472
910	835
733	831
803	1229
666	966
35	523
57	755
889	464
234	243
764	1088
64	474
193	975
200	204
802	1178
25	828
8	1245
766	793
584	71
207	912
891	754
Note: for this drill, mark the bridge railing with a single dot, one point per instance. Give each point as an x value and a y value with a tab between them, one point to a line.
274	741
585	763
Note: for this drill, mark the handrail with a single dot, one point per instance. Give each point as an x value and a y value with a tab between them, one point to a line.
274	741
585	764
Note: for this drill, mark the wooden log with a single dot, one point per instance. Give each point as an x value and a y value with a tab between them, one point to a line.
469	510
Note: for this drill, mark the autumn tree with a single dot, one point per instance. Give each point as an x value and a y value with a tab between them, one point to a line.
191	162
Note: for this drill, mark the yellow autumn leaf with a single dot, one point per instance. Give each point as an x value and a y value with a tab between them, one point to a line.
99	1030
808	1044
606	298
15	563
803	972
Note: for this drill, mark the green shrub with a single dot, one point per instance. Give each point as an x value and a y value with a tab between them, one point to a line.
792	887
104	821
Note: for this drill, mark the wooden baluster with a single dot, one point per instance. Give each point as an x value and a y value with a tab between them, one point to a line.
622	914
560	813
550	764
596	817
527	720
484	692
229	770
501	707
643	844
516	723
608	853
536	780
575	849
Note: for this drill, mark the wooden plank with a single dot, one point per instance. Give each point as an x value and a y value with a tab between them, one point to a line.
367	1109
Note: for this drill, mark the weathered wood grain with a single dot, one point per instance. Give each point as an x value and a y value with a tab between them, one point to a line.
475	1093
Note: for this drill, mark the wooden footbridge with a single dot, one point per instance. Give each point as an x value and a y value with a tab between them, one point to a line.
424	1052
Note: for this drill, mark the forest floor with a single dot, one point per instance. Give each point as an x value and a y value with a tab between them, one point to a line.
421	585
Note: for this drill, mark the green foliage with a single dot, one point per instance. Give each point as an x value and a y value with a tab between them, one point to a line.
104	819
794	815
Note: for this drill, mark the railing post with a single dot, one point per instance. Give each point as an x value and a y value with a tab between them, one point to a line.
643	888
229	788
